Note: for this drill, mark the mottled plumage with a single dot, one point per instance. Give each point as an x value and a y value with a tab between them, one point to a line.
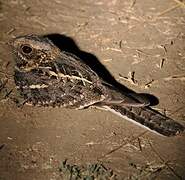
47	76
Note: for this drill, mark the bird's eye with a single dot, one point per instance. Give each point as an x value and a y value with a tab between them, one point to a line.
26	49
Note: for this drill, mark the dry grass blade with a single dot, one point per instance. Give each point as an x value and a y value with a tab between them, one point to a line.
146	171
175	77
168	10
181	3
122	145
10	31
165	162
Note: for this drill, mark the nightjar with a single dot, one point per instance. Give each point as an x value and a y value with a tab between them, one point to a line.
48	76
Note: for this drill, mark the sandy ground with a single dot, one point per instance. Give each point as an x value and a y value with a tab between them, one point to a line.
146	37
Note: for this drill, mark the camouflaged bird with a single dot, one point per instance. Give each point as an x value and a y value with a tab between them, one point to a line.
48	76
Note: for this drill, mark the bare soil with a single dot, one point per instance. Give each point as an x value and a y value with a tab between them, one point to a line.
146	37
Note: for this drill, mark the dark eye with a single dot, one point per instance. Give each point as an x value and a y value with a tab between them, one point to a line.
26	49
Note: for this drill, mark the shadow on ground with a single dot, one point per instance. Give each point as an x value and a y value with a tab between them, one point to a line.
65	43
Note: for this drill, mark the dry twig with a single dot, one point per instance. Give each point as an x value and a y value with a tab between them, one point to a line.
130	78
162	63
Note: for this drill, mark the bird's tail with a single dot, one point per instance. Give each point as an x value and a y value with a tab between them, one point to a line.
148	118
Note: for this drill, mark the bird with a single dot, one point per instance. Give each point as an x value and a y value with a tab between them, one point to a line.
48	76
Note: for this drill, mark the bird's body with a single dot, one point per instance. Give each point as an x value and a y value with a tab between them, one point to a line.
47	76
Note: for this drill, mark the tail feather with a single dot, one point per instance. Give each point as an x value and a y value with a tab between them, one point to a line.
148	118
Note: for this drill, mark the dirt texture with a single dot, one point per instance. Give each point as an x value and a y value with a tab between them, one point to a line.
141	43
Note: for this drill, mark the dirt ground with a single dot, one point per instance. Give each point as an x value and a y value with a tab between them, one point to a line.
146	37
